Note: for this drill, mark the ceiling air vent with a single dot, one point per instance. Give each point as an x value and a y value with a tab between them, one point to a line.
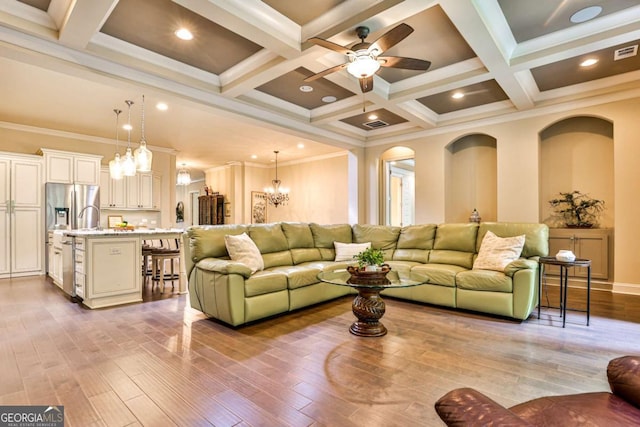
625	52
376	124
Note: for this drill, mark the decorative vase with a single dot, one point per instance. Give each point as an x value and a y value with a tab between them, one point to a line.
370	268
565	256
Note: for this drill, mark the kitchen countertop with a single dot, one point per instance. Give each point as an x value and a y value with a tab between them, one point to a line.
124	233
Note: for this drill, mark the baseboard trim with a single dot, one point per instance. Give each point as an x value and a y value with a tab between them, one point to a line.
626	288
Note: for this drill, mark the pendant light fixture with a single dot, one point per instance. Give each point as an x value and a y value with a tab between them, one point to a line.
143	156
184	177
115	165
128	163
276	195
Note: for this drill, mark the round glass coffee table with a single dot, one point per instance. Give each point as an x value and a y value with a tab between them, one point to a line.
368	306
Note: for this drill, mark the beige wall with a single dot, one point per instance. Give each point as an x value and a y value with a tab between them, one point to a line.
518	175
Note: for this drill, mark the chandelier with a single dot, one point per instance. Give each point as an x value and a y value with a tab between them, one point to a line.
128	163
184	177
142	155
115	165
276	195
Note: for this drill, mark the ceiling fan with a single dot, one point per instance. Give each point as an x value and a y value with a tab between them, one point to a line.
364	58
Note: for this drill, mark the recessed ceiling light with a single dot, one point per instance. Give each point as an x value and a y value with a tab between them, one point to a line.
300	145
127	126
372	116
586	14
457	95
329	99
588	62
184	34
162	106
306	88
253	156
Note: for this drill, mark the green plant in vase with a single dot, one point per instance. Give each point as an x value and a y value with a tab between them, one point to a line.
577	210
370	257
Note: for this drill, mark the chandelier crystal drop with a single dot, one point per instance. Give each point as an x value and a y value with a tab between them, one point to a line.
184	177
129	163
115	165
277	195
142	155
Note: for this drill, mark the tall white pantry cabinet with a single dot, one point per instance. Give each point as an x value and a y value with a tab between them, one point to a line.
21	235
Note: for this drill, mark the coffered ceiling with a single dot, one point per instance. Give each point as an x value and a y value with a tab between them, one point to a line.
237	88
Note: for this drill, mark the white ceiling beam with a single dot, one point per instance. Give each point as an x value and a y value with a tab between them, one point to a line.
83	20
253	20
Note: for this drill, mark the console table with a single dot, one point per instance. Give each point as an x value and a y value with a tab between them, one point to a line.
564	282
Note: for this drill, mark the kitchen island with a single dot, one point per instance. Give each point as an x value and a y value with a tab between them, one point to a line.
108	264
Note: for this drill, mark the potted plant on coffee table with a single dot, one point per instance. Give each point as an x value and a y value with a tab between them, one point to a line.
577	210
370	259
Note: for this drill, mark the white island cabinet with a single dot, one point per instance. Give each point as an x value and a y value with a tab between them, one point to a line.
108	265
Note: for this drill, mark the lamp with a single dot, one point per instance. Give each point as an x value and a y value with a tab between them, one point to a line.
363	64
128	163
184	177
276	195
143	156
115	165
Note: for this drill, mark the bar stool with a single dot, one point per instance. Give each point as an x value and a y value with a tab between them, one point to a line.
147	248
169	250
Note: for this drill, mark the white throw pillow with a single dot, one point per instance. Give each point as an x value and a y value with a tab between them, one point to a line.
242	249
496	252
346	251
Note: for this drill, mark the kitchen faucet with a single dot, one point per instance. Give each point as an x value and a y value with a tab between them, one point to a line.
80	215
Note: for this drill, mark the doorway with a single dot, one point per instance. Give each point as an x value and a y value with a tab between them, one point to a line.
398	187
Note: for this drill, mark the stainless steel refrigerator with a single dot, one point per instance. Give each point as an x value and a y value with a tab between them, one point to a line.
72	206
69	207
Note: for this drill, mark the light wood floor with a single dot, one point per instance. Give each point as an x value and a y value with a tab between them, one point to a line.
160	363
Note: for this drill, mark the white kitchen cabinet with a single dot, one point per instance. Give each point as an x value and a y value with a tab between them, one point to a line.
112	191
140	191
588	243
157	192
71	168
21	221
108	271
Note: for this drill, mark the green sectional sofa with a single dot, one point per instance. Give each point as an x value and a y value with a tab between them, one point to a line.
294	254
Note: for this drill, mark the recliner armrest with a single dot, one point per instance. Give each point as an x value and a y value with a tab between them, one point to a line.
224	266
624	378
520	264
465	407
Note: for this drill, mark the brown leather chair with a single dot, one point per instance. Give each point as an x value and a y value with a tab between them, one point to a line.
468	407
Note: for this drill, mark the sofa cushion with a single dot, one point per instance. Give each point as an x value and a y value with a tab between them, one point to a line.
412	255
439	274
274	259
300	255
497	252
298	276
243	250
264	282
416	237
208	242
484	280
269	238
325	235
536	236
456	237
298	234
346	251
462	259
381	236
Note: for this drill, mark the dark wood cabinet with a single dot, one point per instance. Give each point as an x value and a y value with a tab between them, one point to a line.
211	209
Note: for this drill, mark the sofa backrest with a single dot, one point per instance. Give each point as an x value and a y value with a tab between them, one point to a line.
272	243
536	241
300	240
414	243
208	242
325	235
381	237
455	244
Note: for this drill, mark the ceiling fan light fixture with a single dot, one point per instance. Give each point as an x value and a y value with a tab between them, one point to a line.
363	65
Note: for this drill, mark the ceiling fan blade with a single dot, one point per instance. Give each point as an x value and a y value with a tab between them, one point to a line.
366	84
391	38
406	63
325	72
330	45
